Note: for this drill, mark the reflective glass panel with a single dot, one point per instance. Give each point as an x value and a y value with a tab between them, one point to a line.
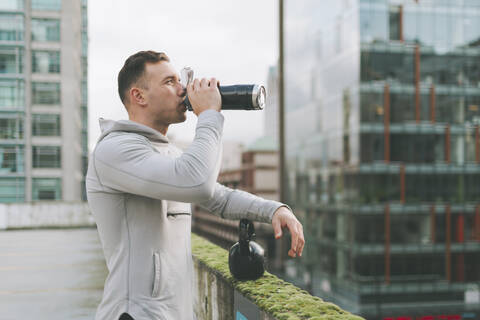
46	189
49	5
46	157
11	27
46	61
46	124
12	94
46	93
11	60
11	128
12	189
14	5
46	30
11	159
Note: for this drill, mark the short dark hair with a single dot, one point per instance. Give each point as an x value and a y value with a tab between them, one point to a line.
134	69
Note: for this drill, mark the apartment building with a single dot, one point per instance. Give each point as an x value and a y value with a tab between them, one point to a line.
43	100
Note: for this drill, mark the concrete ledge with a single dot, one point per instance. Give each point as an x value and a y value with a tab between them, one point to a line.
275	298
45	214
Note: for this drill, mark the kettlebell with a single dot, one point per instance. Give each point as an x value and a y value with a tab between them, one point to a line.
246	257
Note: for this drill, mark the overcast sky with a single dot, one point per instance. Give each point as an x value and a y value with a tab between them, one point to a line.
234	41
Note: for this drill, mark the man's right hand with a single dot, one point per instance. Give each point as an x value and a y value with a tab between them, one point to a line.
204	95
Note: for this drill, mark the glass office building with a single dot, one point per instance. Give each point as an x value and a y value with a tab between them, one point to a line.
43	100
383	154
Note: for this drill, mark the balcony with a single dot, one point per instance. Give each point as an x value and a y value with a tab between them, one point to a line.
74	283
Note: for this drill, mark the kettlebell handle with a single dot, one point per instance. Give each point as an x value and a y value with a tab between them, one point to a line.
247	233
247	230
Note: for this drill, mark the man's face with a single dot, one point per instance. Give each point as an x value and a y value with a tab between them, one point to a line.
164	93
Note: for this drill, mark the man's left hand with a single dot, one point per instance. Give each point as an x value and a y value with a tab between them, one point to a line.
283	217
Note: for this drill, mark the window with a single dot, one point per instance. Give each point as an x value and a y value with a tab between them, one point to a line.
472	264
410	228
11	5
395	23
11	159
410	267
11	27
12	94
46	189
372	147
371	107
46	125
410	25
471	31
11	60
378	187
443	69
46	61
374	23
426	27
470	146
45	30
402	106
11	128
450	108
50	5
470	71
12	189
46	93
397	66
416	148
472	109
46	157
368	267
472	193
368	229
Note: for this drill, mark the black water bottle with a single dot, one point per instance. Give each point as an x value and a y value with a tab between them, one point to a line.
246	258
239	97
234	97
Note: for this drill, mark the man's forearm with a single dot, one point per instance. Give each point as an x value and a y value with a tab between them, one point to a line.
236	204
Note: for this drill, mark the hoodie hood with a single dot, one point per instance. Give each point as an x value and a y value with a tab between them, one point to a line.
107	126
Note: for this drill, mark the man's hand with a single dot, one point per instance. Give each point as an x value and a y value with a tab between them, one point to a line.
285	218
203	95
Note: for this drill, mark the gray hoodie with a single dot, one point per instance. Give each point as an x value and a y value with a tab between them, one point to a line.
139	189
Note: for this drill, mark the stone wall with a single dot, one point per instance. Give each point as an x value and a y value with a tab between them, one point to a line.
219	296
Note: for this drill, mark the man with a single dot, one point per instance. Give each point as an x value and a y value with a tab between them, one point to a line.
140	187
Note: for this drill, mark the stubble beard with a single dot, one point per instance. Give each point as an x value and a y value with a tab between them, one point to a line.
182	112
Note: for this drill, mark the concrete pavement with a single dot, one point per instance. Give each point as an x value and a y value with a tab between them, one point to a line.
50	274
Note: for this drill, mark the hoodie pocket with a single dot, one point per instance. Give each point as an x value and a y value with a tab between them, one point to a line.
156	274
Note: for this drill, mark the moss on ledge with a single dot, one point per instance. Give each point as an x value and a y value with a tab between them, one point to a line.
279	298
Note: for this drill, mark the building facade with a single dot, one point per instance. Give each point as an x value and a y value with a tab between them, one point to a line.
43	100
383	154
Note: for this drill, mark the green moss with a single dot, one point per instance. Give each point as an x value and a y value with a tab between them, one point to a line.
281	299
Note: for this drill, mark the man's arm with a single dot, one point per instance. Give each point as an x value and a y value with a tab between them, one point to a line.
236	204
129	164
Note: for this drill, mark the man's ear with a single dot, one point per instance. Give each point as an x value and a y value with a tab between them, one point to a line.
137	95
